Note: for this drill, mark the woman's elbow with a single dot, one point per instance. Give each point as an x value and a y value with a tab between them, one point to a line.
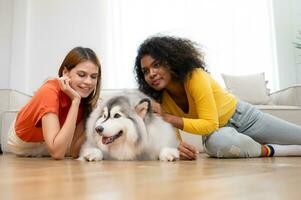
214	126
57	155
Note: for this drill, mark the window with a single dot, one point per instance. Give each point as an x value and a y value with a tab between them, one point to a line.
236	35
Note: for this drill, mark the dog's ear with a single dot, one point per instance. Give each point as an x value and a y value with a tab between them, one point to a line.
143	107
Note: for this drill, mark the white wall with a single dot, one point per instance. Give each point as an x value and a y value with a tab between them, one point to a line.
54	28
35	35
43	31
286	15
6	7
19	46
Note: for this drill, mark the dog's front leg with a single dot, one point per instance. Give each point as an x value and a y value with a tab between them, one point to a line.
169	154
90	153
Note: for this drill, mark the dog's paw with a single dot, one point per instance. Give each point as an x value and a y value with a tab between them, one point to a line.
91	154
169	154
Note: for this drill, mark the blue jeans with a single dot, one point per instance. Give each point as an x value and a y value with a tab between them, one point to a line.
247	130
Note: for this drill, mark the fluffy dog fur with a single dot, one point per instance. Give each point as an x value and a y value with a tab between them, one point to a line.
124	128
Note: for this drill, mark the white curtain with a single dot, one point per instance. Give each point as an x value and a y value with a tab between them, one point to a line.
236	35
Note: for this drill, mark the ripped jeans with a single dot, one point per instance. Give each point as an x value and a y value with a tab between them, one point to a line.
247	130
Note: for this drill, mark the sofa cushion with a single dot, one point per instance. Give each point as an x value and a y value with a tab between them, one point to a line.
250	88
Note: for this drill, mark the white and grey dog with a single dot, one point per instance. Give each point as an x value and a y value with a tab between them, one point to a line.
124	128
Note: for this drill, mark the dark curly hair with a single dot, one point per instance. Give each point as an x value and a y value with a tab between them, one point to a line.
180	55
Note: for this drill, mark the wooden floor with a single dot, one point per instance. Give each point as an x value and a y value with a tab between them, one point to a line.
205	178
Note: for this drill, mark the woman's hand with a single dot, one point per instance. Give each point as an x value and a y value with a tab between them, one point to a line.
64	83
187	151
156	108
175	121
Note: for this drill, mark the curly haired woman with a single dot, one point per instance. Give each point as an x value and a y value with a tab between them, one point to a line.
172	71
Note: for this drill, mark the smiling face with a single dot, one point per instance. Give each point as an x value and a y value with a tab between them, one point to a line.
83	78
115	125
156	74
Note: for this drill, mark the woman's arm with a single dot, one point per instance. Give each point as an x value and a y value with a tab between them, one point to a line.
175	121
57	138
187	151
202	91
78	139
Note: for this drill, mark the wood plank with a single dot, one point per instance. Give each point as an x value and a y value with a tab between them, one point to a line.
205	178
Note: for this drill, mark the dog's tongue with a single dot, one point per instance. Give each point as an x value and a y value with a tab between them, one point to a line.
107	140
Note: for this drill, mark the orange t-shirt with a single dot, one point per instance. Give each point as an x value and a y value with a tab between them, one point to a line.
49	98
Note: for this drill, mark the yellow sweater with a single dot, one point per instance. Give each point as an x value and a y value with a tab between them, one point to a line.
210	106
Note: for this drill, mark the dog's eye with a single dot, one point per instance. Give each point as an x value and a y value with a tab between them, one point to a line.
117	115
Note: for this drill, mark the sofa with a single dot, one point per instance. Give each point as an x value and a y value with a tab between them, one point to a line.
10	102
253	88
285	104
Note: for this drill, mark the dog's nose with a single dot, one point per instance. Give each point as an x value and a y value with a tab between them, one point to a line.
99	129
